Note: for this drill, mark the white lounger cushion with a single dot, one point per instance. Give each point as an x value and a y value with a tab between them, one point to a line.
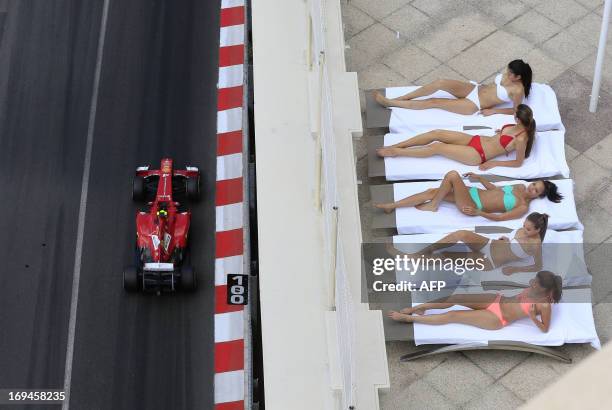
566	260
571	323
448	218
542	101
547	159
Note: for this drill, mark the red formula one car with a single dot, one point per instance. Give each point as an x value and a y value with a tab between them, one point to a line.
162	229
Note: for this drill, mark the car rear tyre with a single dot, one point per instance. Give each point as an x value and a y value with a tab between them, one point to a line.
188	278
193	188
130	279
138	189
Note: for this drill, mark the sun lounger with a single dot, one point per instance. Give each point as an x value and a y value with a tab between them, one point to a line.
547	159
542	101
410	220
562	253
571	323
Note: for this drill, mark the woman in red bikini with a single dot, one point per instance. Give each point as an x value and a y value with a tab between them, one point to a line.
492	311
473	150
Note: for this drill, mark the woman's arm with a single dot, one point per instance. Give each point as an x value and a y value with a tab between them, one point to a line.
514	163
517	99
535	267
545	314
521	148
490	111
485	182
509	270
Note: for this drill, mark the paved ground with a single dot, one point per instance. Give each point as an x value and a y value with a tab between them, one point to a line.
400	42
157	97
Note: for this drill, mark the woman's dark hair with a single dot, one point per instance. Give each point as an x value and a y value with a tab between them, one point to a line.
519	67
540	222
551	282
551	191
525	116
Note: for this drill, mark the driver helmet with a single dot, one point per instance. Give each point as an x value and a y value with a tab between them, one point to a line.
162	212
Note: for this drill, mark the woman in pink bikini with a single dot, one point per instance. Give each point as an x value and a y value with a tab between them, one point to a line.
492	311
473	150
511	86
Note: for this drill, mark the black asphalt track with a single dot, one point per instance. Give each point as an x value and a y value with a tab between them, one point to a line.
157	97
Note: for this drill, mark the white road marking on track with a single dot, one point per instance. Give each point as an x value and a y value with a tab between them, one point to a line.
82	210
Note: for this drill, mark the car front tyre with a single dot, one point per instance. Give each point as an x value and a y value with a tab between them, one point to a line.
138	189
193	188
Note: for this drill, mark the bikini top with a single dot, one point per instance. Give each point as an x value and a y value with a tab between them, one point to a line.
516	248
509	198
506	139
502	93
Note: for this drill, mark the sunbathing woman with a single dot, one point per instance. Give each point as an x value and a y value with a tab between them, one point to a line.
496	203
492	311
473	150
521	244
511	86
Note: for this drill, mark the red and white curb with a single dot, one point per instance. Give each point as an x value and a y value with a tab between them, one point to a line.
229	319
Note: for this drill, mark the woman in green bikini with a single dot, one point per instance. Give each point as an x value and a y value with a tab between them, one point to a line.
494	203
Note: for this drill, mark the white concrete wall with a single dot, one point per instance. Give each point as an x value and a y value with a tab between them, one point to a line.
306	113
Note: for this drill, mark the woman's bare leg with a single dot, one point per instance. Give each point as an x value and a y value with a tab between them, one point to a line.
479	318
474	241
446	136
458	106
459	89
460	153
452	182
452	189
412	200
460	194
473	301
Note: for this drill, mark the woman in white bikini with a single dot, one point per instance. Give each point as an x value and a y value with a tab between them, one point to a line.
473	149
520	245
511	86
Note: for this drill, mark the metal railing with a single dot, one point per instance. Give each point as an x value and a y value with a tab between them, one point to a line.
340	291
